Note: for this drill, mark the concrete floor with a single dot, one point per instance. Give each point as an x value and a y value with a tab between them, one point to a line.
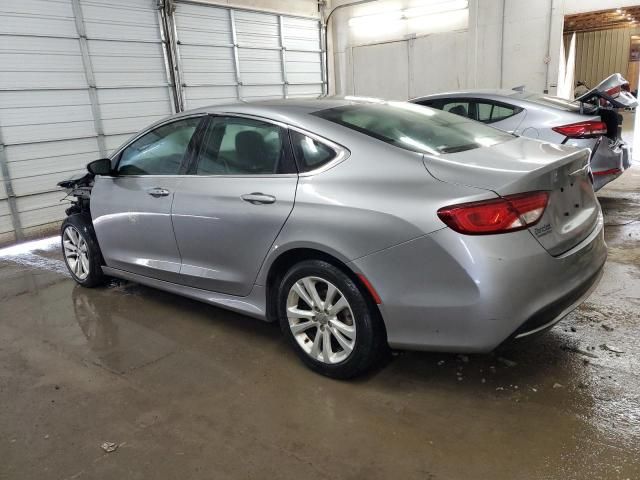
190	391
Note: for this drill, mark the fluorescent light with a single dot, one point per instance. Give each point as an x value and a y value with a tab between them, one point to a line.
437	8
385	18
378	18
439	22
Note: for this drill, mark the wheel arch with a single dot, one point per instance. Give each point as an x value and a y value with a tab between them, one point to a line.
279	265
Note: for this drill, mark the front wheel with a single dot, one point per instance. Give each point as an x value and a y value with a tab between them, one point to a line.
81	251
330	323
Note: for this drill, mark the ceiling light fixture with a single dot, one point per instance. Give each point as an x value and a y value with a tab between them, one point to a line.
409	13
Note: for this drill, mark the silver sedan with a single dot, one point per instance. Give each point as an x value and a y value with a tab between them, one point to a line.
357	225
589	122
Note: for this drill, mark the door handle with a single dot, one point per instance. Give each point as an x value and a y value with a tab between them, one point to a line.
257	198
158	192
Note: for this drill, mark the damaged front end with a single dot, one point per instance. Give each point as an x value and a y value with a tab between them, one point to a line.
79	187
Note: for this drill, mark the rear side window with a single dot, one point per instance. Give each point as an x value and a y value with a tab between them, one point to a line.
310	154
413	127
489	112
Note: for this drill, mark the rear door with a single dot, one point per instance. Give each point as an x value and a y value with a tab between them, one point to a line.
231	207
131	210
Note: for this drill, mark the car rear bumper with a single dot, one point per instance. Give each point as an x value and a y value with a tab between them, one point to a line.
451	292
608	161
552	314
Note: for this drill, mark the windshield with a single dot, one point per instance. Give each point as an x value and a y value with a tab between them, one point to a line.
414	127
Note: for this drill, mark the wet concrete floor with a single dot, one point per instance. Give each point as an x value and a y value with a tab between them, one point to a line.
190	391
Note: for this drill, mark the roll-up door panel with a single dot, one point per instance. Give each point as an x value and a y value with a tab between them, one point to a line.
226	54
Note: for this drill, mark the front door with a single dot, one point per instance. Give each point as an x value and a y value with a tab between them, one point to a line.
131	210
228	213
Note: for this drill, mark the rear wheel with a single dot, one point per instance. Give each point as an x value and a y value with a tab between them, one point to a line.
81	252
331	324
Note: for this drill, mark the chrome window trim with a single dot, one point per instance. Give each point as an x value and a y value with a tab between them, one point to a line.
342	153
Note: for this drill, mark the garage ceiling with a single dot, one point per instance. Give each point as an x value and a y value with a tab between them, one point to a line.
603	20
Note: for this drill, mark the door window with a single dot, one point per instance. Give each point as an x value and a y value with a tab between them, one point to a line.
310	154
458	108
160	151
243	146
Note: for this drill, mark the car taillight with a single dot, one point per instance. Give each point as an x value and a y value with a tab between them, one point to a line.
502	215
582	129
611	171
614	92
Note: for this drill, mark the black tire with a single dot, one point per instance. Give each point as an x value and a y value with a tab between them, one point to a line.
82	225
370	344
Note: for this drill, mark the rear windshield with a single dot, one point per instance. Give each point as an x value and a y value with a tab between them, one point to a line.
414	127
554	102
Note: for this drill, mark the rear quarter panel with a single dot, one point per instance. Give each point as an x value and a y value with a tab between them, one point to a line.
380	196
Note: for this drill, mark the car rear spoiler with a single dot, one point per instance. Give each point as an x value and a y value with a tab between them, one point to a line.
614	89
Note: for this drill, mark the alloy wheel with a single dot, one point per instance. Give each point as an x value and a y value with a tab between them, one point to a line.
76	252
321	320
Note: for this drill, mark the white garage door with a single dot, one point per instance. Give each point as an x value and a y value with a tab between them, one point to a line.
127	57
77	77
229	54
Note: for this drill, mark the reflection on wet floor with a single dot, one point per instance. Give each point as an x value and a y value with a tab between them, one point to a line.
186	388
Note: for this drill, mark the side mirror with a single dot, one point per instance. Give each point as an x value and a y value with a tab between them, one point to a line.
100	167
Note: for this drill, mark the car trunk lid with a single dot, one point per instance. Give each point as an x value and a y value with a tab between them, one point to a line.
613	89
522	165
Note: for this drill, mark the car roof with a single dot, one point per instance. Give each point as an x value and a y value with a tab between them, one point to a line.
284	110
294	112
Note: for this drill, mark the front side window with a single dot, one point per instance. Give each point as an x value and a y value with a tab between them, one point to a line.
413	127
242	146
310	154
160	151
